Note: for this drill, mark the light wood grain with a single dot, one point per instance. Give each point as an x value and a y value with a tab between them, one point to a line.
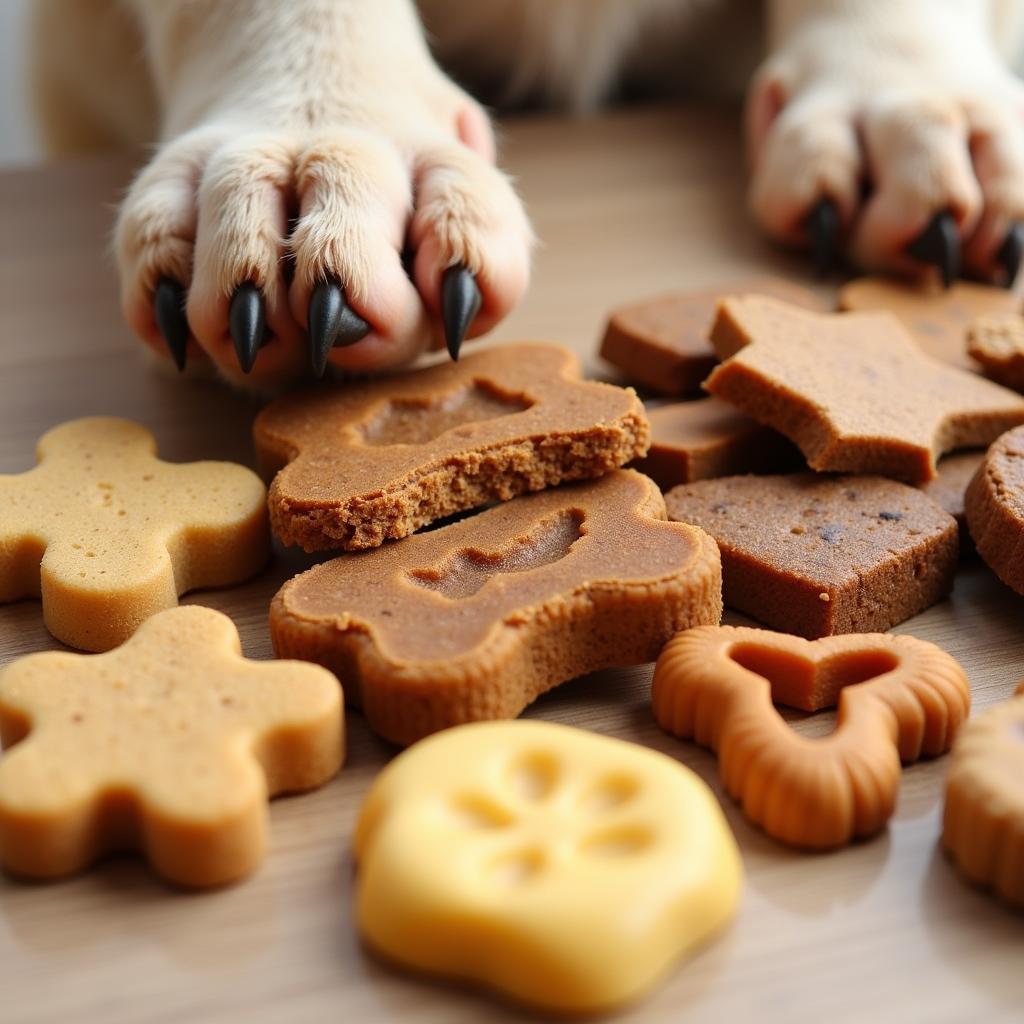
625	206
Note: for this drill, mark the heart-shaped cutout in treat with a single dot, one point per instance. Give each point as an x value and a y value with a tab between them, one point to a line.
899	698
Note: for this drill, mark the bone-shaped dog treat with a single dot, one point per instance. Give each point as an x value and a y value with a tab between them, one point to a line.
169	745
108	534
663	343
476	619
899	699
852	389
565	870
983	824
995	509
997	343
374	463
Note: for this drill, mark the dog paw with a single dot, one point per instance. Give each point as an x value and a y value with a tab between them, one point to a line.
894	136
224	238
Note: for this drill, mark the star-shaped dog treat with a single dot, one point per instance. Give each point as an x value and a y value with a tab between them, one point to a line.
853	390
108	534
169	745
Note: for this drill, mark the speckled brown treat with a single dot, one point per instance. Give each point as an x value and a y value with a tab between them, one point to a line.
852	389
819	555
476	619
707	438
949	488
663	343
377	461
936	317
995	509
997	343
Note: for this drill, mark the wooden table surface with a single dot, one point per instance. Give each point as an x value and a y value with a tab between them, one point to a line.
626	206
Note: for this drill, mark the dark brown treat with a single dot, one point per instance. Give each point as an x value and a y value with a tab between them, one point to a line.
476	619
379	460
995	509
663	343
949	488
997	343
852	389
820	555
707	438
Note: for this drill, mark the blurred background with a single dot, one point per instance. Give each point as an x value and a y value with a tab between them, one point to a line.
17	138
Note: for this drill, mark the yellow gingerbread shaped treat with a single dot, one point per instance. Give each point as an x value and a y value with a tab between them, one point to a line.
169	745
107	534
564	870
983	826
899	698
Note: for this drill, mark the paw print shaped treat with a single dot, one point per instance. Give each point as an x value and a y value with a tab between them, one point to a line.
108	534
565	870
983	827
899	698
169	745
477	619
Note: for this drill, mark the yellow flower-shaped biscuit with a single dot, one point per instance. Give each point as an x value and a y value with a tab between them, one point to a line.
566	870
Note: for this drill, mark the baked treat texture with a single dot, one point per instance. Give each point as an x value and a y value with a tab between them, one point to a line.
478	618
662	343
852	389
997	343
819	555
983	822
936	317
899	699
357	466
108	534
565	870
169	745
995	509
949	488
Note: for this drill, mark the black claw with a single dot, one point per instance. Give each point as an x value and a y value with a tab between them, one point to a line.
1010	252
247	323
169	312
939	245
332	324
822	226
460	303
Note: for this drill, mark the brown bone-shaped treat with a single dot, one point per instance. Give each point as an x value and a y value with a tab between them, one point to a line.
475	620
899	699
374	463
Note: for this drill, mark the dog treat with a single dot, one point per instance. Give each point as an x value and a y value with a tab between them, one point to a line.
374	463
818	555
706	438
169	745
663	343
107	534
852	389
949	488
899	699
995	509
983	826
477	619
997	343
564	870
936	317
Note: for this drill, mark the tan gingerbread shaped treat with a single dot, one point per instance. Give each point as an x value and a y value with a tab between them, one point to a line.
997	344
995	509
108	534
478	618
169	745
899	699
662	343
983	823
853	390
936	317
707	438
818	555
362	465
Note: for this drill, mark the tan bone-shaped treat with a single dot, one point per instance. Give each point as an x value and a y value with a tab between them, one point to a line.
169	745
476	619
108	534
899	699
361	465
